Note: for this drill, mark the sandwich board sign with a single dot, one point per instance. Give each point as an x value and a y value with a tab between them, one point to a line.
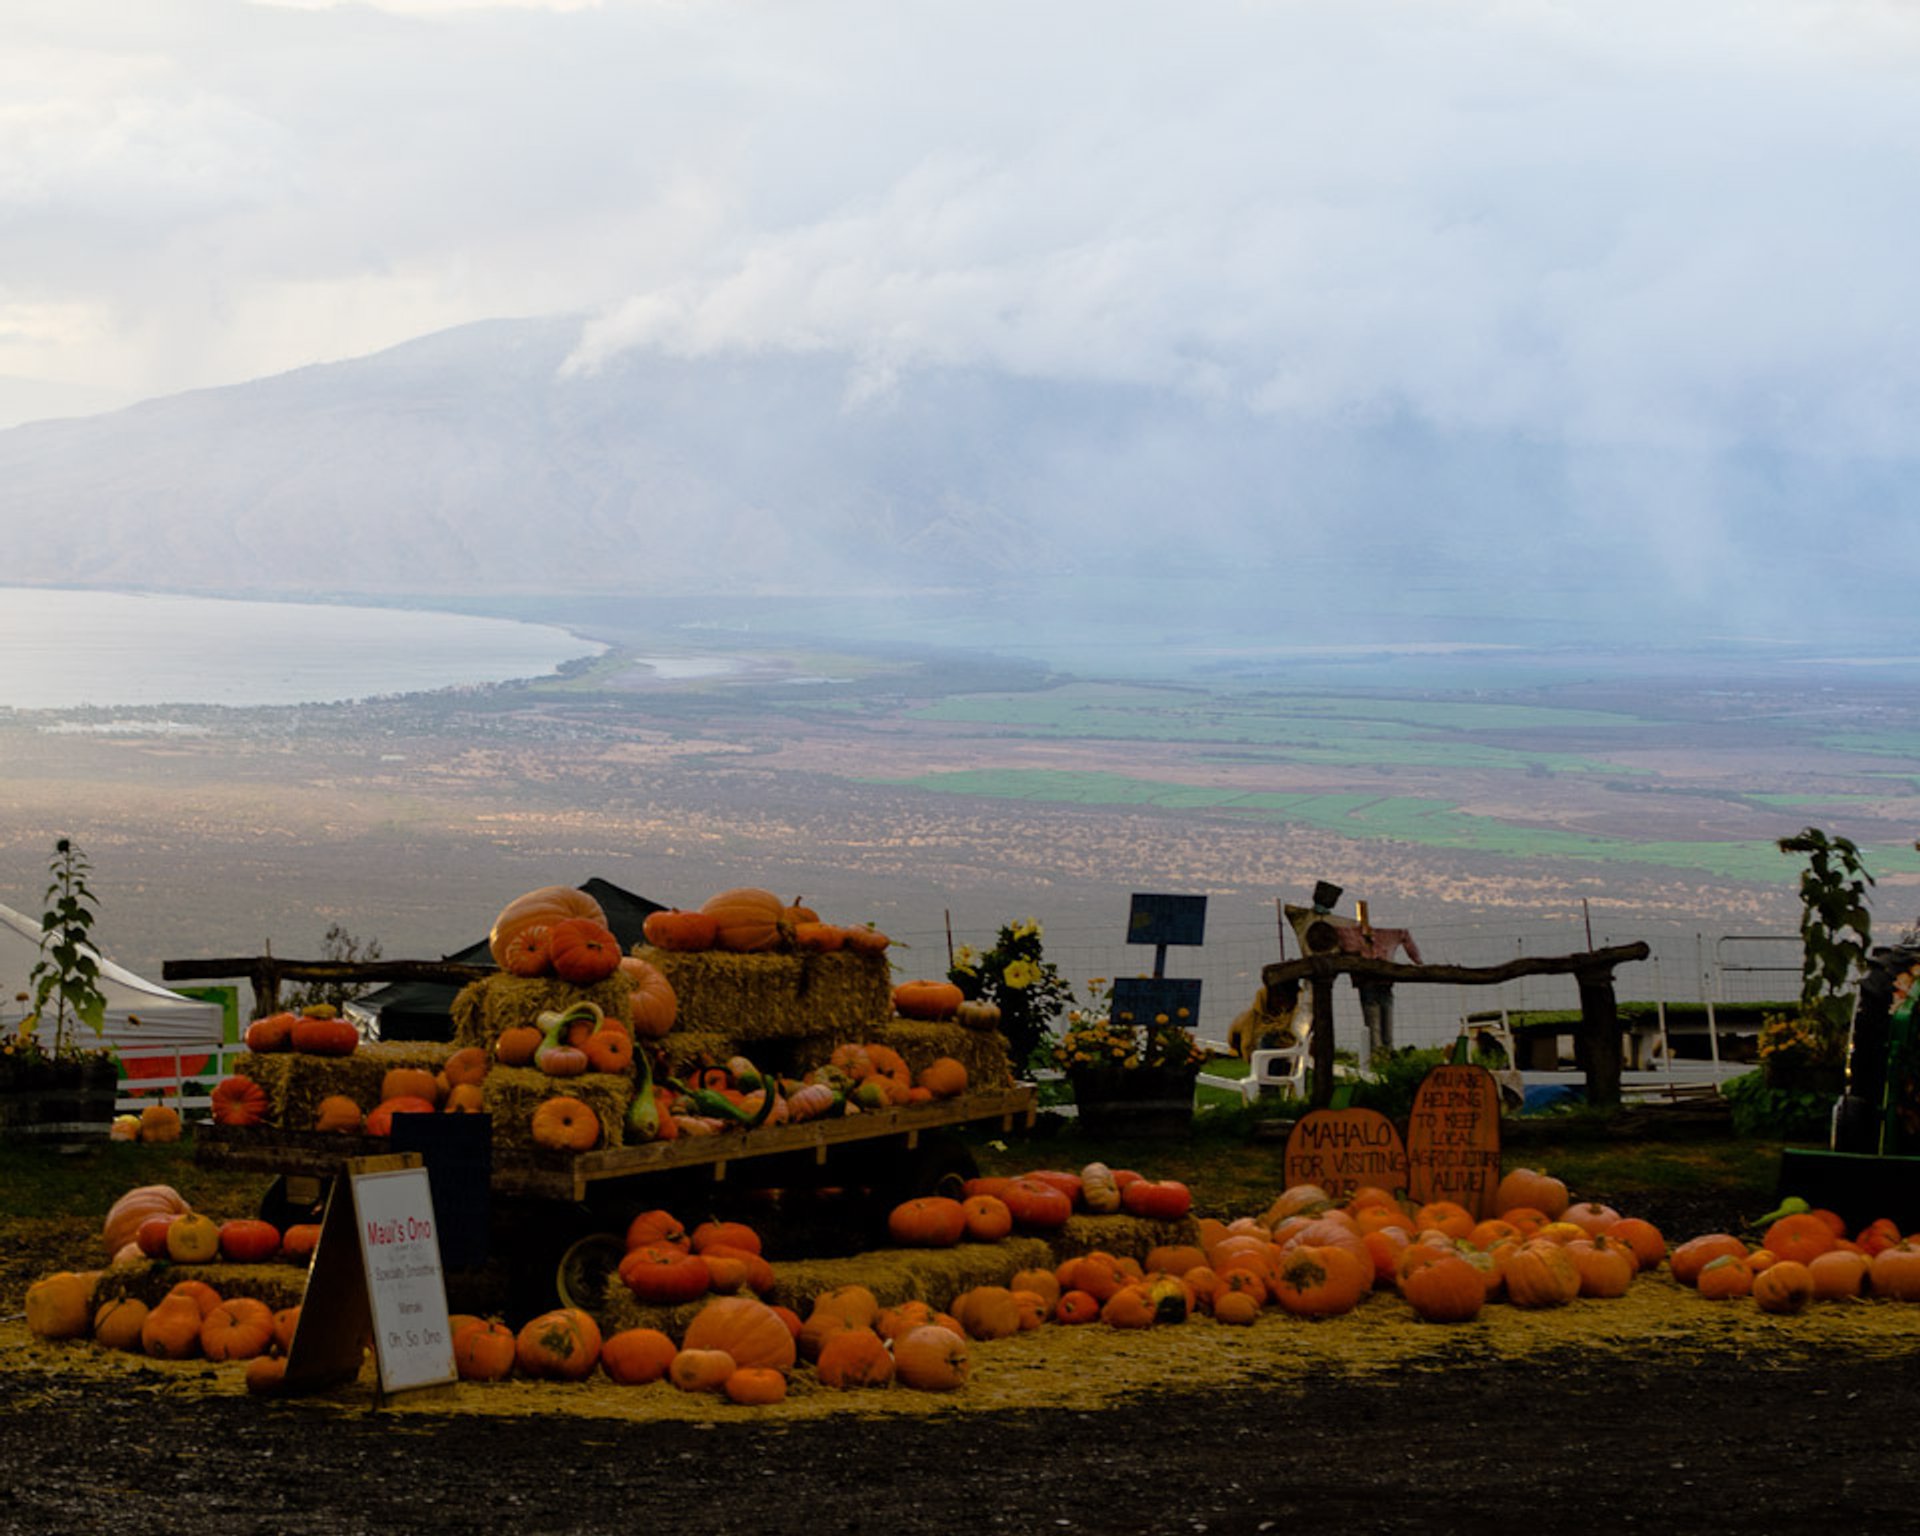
376	1278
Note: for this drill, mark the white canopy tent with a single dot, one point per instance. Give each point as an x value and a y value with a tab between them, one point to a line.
140	1014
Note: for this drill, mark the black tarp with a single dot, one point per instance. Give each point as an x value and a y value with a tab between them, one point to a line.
423	1010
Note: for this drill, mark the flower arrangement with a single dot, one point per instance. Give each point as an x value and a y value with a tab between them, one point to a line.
1015	976
1794	1045
1094	1038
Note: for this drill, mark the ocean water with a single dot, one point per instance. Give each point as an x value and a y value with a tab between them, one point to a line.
65	649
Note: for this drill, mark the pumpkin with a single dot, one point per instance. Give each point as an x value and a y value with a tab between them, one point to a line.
285	1321
896	1321
1644	1238
686	932
1896	1272
563	1345
1532	1189
865	940
272	1033
1173	1259
945	1077
565	1124
658	1227
1446	1216
1156	1199
1723	1279
193	1239
931	1359
239	1100
203	1296
582	950
1448	1290
1128	1307
932	1221
1042	1282
1076	1307
987	1312
1322	1281
701	1370
172	1329
609	1050
61	1305
818	938
758	1274
988	1219
337	1112
299	1240
117	1322
516	1046
850	1301
1783	1287
465	1099
1097	1273
540	908
651	1004
1837	1275
1606	1268
1036	1205
266	1376
159	1123
657	1272
485	1351
1691	1257
820	1327
746	919
1802	1238
975	1014
1541	1274
1099	1191
248	1240
134	1207
934	1001
237	1330
525	954
410	1083
725	1234
857	1357
466	1065
748	1330
380	1118
635	1356
1590	1217
755	1386
325	1037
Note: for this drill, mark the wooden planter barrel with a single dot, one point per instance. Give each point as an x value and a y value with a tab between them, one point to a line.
59	1102
1111	1101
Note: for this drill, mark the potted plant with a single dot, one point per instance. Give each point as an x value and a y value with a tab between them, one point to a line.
1130	1076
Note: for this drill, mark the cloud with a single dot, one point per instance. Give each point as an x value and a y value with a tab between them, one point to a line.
1639	225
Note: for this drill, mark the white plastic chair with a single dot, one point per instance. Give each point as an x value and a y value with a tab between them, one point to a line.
1284	1070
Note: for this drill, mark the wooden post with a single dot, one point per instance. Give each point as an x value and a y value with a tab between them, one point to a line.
1600	1036
1322	1040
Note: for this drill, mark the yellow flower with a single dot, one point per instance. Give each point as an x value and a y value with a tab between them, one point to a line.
1020	974
1030	929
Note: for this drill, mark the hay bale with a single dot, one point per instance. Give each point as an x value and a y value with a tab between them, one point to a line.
894	1275
485	1009
751	998
296	1082
278	1285
683	1050
512	1094
982	1052
1125	1237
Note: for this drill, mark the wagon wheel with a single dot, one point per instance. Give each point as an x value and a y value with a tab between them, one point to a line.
581	1278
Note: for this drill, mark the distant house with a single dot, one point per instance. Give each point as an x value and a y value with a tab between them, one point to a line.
423	1010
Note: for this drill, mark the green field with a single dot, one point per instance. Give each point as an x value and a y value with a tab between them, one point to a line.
1427	822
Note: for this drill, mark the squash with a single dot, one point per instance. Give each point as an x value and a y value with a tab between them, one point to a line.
1099	1191
747	919
934	1001
582	951
651	1004
748	1330
685	932
565	1124
134	1207
539	909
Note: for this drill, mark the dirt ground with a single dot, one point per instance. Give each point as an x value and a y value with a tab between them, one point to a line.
1629	1441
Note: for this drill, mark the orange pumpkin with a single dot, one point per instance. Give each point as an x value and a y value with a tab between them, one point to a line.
410	1083
748	1330
1447	1290
172	1329
857	1357
746	919
239	1100
237	1330
539	909
325	1037
988	1219
685	932
466	1065
563	1345
1532	1189
987	1312
701	1370
818	938
1725	1278
658	1227
932	1359
484	1350
337	1112
380	1118
636	1356
610	1050
582	950
651	1004
935	1001
1784	1287
1691	1257
60	1306
1802	1238
944	1078
272	1033
516	1046
160	1123
755	1386
932	1221
565	1124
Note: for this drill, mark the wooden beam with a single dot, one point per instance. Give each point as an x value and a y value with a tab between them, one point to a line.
451	972
1592	960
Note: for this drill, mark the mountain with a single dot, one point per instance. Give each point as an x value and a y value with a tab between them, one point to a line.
473	462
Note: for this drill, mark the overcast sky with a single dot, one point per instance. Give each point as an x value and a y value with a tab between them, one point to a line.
1685	224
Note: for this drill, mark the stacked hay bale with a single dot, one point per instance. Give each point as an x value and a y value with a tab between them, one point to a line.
983	1052
486	1009
296	1081
512	1094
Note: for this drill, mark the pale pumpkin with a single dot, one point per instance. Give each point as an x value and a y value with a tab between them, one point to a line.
539	909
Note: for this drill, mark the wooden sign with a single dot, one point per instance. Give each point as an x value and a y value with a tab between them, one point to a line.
376	1278
1342	1150
1453	1139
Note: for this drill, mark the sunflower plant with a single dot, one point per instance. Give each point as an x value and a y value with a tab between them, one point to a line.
1016	976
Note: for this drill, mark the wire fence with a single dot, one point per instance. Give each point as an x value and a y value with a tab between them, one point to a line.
1688	965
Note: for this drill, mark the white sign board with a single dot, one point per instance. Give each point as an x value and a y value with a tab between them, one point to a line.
406	1290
